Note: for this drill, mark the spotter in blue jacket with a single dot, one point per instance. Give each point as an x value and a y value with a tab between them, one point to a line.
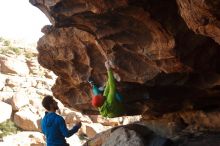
55	130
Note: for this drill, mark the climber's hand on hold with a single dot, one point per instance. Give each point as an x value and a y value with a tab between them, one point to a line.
111	63
107	65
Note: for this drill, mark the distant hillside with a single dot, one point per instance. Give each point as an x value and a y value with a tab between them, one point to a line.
16	47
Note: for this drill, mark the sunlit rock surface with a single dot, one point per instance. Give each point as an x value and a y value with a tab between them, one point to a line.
165	52
151	44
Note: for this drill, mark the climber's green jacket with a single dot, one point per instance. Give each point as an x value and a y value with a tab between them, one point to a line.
111	107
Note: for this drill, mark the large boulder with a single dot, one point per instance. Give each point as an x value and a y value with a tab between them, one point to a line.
24	138
74	140
14	81
128	135
34	67
124	137
91	129
36	101
72	116
19	100
6	111
11	65
2	81
6	96
27	119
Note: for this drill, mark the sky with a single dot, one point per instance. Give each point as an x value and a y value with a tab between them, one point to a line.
20	20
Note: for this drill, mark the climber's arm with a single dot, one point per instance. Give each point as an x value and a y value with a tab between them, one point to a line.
96	90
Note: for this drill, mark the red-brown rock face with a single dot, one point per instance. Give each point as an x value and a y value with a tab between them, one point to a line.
167	48
202	16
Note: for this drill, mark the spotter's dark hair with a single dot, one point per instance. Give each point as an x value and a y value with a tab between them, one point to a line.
47	101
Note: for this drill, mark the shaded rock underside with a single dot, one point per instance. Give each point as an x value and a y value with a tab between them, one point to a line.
167	49
149	138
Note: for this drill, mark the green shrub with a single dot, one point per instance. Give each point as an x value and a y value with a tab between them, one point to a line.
7	50
1	39
16	50
29	55
7	43
6	128
4	51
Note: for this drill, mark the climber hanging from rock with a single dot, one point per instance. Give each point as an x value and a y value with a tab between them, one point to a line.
108	102
99	90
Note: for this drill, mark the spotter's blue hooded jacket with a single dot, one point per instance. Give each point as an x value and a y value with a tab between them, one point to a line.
55	130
